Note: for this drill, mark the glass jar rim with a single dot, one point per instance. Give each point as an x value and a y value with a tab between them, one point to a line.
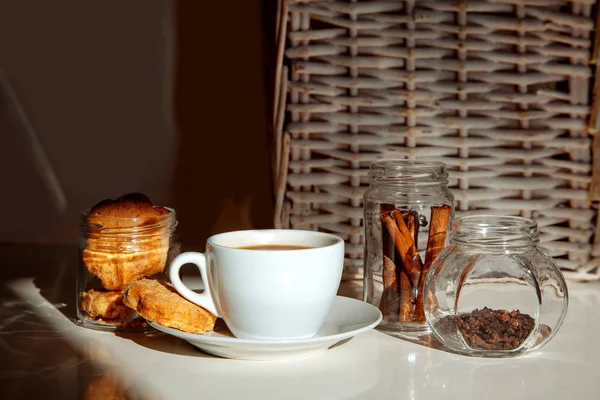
495	231
122	226
417	172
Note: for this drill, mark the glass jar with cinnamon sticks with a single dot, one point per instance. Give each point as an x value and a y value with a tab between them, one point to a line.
408	208
493	292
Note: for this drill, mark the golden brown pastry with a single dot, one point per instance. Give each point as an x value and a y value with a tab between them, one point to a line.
110	213
129	240
105	305
117	270
159	302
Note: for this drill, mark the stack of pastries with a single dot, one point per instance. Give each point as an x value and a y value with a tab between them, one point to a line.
128	241
131	243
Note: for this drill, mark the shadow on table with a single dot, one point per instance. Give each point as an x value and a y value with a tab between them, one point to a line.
164	343
52	268
59	288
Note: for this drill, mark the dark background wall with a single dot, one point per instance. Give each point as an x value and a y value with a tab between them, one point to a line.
157	96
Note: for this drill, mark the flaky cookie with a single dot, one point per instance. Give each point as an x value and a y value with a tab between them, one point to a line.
159	302
105	305
129	239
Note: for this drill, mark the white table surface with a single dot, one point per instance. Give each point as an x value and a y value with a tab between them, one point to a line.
370	366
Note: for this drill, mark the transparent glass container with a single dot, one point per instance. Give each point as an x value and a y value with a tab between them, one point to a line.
493	292
114	252
406	201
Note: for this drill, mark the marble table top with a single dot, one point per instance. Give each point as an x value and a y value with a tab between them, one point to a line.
43	354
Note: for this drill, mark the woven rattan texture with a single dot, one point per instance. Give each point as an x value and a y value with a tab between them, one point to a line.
498	90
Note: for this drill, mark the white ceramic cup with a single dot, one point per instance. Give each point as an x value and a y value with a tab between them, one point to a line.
266	294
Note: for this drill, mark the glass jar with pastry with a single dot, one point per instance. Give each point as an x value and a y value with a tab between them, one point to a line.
122	241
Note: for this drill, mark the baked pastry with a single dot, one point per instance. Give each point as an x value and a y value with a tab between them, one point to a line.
159	302
136	206
128	240
105	305
117	270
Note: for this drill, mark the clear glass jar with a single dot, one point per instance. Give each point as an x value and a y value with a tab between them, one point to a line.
114	252
408	208
493	292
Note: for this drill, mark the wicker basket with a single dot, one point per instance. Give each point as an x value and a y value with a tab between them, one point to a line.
499	90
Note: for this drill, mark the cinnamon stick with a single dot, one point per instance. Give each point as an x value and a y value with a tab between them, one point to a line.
407	298
411	218
390	299
405	245
407	293
387	241
409	265
438	225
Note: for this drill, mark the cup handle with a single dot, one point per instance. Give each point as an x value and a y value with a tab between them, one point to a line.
204	299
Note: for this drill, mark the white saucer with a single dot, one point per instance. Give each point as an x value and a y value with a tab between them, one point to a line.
347	318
